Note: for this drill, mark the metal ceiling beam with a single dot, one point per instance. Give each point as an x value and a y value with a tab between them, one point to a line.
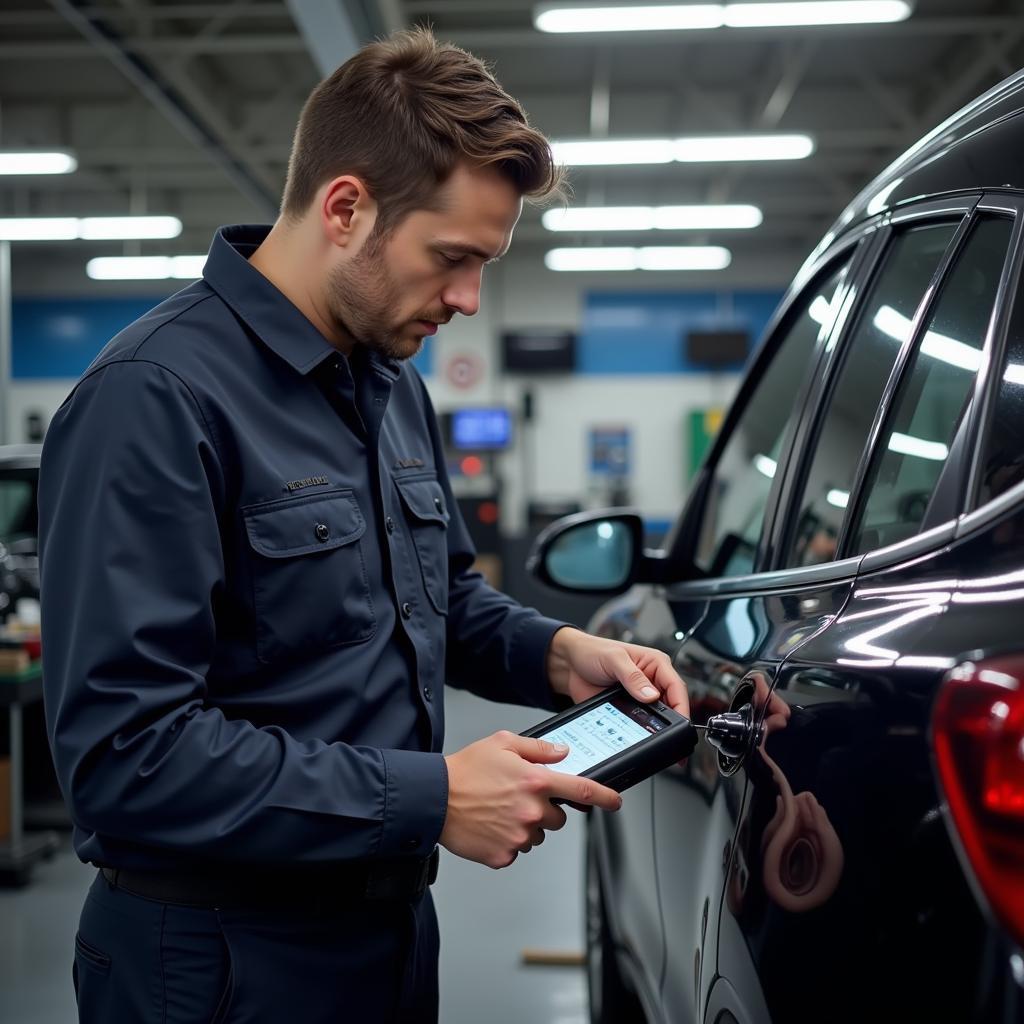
330	32
187	115
276	42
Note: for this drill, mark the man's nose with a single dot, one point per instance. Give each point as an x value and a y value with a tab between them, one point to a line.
463	295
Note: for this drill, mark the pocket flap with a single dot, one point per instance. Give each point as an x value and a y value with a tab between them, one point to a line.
300	526
424	498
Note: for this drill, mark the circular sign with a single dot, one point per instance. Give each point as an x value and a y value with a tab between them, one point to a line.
464	369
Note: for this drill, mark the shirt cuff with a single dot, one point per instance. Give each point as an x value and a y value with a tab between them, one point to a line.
416	803
528	662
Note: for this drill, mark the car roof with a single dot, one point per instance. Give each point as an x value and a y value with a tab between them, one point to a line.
979	147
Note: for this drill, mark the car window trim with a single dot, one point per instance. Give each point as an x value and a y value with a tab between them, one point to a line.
682	536
771	581
936	212
986	385
859	273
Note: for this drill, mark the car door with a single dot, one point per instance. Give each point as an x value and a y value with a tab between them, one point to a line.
737	495
837	839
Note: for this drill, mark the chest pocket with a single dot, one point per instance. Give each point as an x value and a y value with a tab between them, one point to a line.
310	588
427	515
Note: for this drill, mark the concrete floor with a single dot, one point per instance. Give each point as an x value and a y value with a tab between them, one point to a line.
487	919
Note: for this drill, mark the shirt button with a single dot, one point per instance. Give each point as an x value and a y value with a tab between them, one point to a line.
410	844
438	504
389	524
323	531
406	610
428	693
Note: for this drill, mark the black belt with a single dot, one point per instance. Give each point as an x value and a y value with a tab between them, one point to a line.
293	887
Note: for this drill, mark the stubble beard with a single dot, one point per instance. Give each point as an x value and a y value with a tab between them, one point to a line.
360	297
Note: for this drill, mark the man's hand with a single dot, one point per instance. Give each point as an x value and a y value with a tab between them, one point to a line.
499	797
581	665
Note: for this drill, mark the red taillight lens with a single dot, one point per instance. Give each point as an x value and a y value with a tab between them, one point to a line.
978	735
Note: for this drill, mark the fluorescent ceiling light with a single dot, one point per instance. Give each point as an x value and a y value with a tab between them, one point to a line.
647	218
765	465
646	18
145	268
819	310
129	227
651	257
62	229
906	444
694	149
815	12
606	152
37	163
38	229
743	147
838	498
561	17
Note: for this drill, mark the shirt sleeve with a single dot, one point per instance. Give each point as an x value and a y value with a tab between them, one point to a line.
497	648
132	501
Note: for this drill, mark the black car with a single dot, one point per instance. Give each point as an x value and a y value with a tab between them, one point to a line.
847	576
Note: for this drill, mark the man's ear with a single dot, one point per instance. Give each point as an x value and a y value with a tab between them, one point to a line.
348	211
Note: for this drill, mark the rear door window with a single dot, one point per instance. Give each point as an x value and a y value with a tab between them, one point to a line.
868	359
734	512
934	397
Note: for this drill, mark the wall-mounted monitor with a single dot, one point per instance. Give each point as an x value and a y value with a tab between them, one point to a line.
716	348
480	429
537	351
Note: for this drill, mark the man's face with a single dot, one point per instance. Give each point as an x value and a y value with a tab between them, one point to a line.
430	266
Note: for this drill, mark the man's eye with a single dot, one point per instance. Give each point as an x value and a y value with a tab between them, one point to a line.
451	261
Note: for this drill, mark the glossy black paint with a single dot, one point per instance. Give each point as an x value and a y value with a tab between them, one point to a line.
817	878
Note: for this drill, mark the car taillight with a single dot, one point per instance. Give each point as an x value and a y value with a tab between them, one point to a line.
978	737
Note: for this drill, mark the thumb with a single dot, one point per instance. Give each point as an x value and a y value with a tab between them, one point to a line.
538	751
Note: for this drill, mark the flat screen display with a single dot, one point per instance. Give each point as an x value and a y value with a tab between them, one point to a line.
481	429
602	733
717	348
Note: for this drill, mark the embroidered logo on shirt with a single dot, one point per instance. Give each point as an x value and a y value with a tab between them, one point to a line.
309	481
408	463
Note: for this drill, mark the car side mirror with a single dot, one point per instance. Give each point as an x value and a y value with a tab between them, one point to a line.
594	553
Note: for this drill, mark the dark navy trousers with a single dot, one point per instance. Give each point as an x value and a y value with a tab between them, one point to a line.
139	961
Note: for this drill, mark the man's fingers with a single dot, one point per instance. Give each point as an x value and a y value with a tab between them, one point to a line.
538	751
553	818
583	791
633	678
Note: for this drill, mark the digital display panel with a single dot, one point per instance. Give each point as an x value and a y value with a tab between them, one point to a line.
481	429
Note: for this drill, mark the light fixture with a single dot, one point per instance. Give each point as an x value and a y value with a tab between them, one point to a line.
645	18
647	218
815	12
840	499
62	229
37	163
562	17
688	149
145	268
651	257
765	466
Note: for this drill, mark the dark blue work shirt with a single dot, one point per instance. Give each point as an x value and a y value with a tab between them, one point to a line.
255	582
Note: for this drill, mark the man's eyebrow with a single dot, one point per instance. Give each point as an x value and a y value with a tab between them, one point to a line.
472	250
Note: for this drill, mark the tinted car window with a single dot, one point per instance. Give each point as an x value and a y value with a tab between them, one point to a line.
870	354
1003	459
934	395
738	495
17	507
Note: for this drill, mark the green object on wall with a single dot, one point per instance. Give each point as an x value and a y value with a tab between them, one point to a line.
702	426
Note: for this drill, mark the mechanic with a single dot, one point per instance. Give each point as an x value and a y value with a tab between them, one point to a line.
256	581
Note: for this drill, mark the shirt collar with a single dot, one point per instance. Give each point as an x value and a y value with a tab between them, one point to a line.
275	319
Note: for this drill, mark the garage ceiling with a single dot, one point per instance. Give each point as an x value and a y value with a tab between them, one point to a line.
189	108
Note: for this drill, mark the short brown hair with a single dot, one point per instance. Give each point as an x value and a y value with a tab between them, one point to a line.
401	114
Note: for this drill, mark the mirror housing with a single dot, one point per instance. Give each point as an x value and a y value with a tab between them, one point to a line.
598	552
